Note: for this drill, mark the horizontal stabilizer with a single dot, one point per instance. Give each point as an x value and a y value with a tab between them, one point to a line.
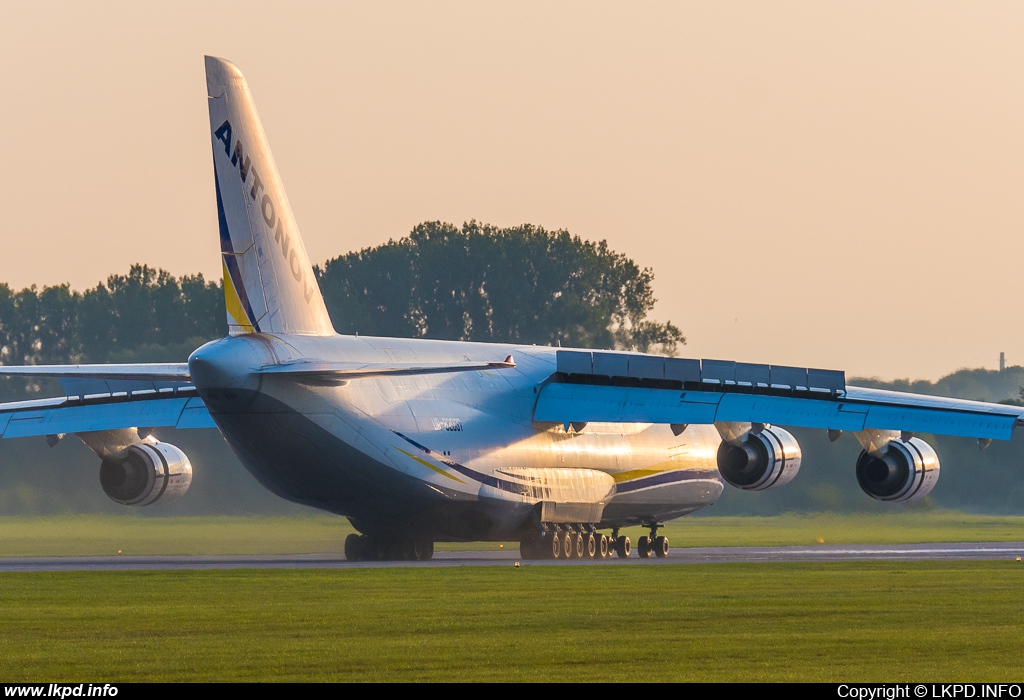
150	372
334	372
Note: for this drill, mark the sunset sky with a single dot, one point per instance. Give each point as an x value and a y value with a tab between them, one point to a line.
828	184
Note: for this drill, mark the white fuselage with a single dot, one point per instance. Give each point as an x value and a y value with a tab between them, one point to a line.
433	447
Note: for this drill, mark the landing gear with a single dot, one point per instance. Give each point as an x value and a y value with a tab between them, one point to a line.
555	546
383	548
353	547
422	550
653	544
561	542
621	544
577	546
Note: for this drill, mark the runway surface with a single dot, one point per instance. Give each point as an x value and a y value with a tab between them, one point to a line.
959	551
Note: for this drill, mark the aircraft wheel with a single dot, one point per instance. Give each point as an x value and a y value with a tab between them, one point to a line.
590	545
568	546
579	547
555	546
422	550
353	547
602	547
643	546
406	550
374	549
622	546
661	546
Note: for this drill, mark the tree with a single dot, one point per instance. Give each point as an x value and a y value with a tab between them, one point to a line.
152	312
147	315
483	283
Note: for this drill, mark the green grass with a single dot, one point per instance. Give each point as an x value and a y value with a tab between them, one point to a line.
132	534
865	622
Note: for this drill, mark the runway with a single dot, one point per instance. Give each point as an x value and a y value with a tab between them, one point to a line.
942	551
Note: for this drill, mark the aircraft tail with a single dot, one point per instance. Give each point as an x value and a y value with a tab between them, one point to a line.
269	285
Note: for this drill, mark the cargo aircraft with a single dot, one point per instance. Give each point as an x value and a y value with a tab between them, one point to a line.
419	441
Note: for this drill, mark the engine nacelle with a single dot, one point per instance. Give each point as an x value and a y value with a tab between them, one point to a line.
905	471
762	461
145	474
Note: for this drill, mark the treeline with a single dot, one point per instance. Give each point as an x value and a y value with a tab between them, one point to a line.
480	282
145	315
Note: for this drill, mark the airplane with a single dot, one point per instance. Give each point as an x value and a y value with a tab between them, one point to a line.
419	441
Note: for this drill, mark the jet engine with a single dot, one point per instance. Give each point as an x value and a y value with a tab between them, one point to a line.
146	473
903	471
760	461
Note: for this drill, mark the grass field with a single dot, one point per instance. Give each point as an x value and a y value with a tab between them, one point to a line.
737	622
97	535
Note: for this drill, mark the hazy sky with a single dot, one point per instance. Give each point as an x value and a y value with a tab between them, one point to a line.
833	184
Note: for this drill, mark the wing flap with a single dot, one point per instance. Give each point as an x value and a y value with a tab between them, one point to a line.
81	416
560	403
563	403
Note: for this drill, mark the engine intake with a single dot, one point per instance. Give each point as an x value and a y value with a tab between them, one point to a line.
905	471
147	473
769	458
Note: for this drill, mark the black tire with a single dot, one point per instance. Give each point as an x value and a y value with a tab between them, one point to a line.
422	550
579	547
622	546
373	549
643	546
589	545
568	546
353	547
602	547
661	546
554	548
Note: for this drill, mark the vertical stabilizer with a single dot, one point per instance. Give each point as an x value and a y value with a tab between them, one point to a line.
269	285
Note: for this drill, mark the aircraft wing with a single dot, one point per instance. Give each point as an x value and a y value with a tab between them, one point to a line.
170	408
110	397
153	372
647	389
106	397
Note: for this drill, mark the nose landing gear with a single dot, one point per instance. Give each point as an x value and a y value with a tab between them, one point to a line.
652	544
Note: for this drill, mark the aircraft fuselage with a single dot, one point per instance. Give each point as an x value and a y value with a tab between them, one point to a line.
433	452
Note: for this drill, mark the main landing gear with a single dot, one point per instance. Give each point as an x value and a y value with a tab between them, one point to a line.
566	542
376	548
652	544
